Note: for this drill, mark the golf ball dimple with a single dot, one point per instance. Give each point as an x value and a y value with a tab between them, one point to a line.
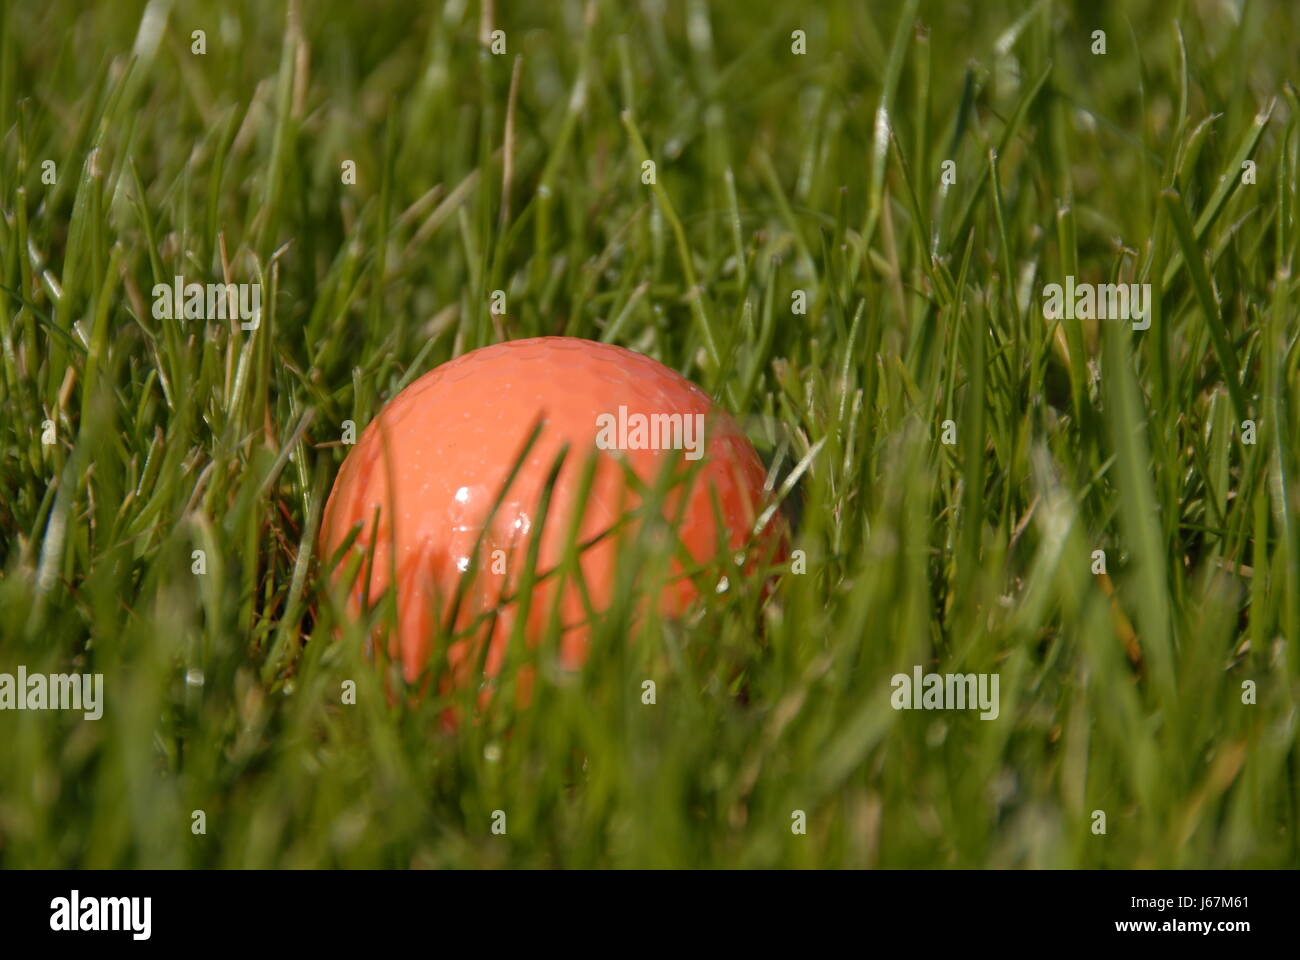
439	455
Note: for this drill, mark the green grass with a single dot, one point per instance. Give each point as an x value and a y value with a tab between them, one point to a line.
775	172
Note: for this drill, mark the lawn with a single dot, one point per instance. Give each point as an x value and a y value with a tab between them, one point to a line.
842	220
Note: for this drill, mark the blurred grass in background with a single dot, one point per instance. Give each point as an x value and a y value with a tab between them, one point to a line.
776	172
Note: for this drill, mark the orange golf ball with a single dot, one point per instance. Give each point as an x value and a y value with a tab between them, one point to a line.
437	457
